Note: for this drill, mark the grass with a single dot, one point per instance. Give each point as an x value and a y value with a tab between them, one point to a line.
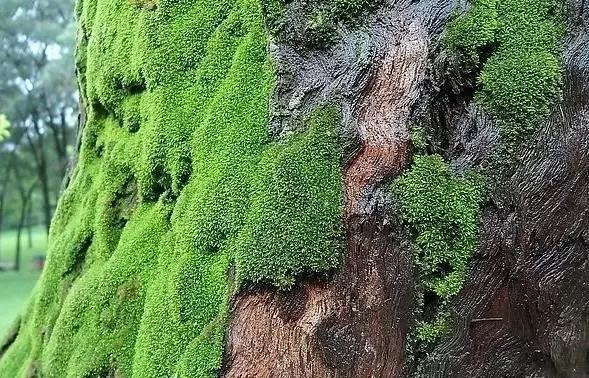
15	287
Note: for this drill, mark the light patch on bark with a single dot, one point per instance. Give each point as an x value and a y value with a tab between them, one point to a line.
384	115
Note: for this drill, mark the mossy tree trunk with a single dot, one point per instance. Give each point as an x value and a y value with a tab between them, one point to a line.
325	189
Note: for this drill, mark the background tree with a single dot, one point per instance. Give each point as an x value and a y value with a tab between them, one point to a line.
39	98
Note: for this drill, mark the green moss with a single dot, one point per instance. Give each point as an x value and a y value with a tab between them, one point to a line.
324	17
283	236
327	14
473	33
430	333
178	181
419	137
442	212
517	43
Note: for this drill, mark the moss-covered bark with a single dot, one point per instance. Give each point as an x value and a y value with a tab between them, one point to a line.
233	150
179	196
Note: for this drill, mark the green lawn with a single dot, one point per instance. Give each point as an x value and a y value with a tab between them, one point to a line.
15	287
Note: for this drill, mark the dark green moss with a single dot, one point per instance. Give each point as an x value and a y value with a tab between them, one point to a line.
516	41
327	14
177	181
323	17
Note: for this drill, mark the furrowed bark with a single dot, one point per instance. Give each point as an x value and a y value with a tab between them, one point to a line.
530	270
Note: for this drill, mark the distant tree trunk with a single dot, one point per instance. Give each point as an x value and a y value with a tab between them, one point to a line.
37	147
60	132
19	227
30	226
4	189
25	194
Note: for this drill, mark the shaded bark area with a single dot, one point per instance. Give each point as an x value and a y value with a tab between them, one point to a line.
530	272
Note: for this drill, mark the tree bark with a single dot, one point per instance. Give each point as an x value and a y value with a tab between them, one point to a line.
524	310
25	199
30	226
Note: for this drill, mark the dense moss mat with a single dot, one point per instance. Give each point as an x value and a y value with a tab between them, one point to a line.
442	210
177	183
517	44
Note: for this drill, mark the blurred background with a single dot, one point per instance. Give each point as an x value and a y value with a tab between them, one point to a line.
38	121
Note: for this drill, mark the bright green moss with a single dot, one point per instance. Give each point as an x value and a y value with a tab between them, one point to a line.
521	78
177	182
429	333
442	210
296	206
473	33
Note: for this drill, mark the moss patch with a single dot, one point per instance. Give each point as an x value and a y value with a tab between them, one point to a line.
177	181
327	14
442	211
516	41
323	17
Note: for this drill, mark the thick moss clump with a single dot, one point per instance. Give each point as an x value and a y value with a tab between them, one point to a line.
516	41
442	212
178	181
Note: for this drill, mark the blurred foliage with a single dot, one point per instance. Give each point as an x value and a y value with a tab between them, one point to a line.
38	95
4	127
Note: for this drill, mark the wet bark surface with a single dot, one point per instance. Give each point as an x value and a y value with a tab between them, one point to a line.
524	311
351	325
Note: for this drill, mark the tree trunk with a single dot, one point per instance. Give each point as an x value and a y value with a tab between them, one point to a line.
40	157
190	237
19	227
3	191
30	226
25	197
